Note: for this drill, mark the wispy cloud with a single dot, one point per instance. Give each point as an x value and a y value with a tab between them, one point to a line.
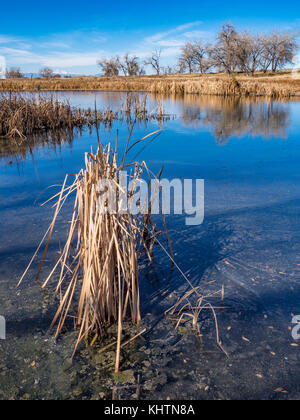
177	30
188	25
14	51
61	51
171	41
73	59
78	51
4	39
204	35
52	44
52	59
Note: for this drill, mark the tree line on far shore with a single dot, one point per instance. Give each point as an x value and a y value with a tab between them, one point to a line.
231	52
16	73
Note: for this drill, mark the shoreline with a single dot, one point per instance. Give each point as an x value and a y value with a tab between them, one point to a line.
251	95
283	85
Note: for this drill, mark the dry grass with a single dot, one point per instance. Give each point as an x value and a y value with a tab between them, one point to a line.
27	116
98	276
276	86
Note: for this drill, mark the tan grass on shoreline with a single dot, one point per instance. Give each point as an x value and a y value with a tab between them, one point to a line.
283	85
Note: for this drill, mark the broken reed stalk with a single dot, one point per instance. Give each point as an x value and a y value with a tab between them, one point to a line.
185	308
98	266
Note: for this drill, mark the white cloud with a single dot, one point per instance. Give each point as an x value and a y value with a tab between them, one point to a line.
53	59
4	39
14	51
161	35
189	25
78	51
79	59
198	35
61	45
170	43
57	50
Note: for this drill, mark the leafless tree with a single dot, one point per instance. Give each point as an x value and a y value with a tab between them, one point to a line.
232	52
201	60
14	73
168	70
186	58
46	72
279	50
154	61
249	52
130	65
194	58
110	67
223	54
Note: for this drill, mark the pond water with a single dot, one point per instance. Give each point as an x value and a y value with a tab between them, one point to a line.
248	153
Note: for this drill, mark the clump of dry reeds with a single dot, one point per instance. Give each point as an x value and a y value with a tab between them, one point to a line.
26	116
98	281
22	116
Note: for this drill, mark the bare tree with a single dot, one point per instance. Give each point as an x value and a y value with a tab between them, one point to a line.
231	52
186	58
14	73
46	72
194	57
224	53
249	52
130	65
168	70
279	50
201	60
110	67
154	61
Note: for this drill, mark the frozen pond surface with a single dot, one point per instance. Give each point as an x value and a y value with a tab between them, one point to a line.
248	152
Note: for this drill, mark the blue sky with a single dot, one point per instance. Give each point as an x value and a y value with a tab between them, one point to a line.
71	36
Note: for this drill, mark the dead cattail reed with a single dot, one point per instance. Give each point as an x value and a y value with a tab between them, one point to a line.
98	275
192	304
23	117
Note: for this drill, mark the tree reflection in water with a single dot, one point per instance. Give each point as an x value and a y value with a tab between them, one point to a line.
225	117
235	116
